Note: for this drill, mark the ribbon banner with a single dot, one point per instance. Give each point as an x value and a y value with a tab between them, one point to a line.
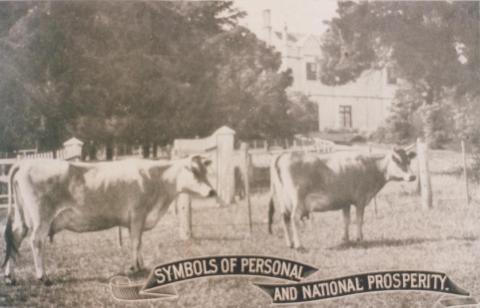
363	283
167	274
161	279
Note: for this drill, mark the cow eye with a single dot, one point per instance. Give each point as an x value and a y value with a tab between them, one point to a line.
195	171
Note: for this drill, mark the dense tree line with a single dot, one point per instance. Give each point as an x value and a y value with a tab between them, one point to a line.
134	73
435	48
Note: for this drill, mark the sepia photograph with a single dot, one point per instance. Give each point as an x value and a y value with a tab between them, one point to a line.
312	153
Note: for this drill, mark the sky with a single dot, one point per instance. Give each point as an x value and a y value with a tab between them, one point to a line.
300	16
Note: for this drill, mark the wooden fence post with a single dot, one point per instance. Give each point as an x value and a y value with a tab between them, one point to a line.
419	184
246	164
374	197
225	172
465	174
185	216
424	175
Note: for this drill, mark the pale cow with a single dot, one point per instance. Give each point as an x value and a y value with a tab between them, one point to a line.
302	183
53	195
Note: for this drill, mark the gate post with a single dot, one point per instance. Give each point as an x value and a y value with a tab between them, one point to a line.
184	206
424	175
246	179
224	137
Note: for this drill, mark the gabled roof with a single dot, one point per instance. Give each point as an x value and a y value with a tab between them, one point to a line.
73	141
307	37
292	37
295	39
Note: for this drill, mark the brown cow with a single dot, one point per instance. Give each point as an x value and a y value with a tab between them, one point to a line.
302	183
52	196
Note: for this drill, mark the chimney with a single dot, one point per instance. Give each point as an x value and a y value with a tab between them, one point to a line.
267	27
285	39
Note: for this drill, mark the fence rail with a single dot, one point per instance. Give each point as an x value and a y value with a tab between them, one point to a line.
6	164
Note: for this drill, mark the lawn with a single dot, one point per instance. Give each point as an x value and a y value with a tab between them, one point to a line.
398	236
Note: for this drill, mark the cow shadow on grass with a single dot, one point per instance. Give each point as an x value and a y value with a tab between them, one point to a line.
199	239
468	238
366	244
74	280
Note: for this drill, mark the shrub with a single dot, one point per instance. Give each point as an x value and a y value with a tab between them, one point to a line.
410	118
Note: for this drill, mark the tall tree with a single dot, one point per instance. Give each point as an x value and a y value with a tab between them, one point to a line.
434	45
138	72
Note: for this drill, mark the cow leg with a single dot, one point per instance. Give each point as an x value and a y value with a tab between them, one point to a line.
14	233
136	230
296	238
286	220
271	212
360	212
300	209
346	222
37	240
19	231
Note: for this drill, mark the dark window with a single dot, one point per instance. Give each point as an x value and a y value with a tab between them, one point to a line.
311	71
391	75
346	116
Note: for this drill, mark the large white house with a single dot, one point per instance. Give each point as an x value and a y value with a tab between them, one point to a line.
362	105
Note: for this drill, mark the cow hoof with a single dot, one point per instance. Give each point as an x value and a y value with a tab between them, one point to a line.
45	281
133	270
10	281
301	249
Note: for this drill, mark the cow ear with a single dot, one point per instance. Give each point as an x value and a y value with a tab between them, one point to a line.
207	162
194	163
412	154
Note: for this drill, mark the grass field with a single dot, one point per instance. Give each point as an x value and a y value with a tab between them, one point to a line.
399	236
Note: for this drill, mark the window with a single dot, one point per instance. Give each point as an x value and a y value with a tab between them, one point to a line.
311	71
346	116
391	75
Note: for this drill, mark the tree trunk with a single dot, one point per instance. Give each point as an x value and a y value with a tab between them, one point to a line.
92	151
146	150
84	153
155	150
109	150
431	115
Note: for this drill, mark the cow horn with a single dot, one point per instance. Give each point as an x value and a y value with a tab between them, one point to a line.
410	147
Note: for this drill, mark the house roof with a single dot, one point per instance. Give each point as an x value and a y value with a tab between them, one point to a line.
73	141
292	37
295	39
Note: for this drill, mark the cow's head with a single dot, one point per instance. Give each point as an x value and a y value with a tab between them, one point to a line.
193	177
398	165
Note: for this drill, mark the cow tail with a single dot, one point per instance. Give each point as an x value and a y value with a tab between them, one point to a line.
11	248
120	239
271	211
